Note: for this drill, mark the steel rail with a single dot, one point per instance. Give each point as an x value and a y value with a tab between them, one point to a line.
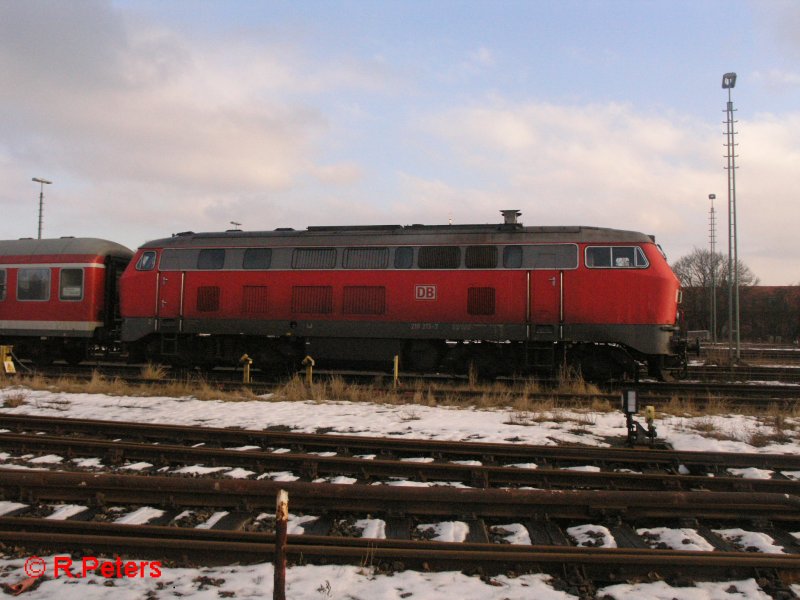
311	466
94	489
488	452
217	547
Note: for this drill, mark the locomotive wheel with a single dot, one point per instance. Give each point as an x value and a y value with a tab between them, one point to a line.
600	363
420	355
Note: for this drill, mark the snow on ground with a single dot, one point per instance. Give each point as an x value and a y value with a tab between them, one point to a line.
729	433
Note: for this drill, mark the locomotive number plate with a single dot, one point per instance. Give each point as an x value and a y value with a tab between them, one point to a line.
425	292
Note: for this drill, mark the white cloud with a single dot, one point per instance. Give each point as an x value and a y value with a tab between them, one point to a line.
609	165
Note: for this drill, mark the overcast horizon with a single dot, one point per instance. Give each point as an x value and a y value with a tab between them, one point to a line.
153	117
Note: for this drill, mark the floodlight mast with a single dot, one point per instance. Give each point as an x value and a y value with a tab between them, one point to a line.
712	236
42	183
728	83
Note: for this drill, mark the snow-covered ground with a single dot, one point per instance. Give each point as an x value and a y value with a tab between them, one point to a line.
731	433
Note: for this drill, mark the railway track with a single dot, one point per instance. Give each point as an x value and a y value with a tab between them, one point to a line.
547	516
367	460
611	503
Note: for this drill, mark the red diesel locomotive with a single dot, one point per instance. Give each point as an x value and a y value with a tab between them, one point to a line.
58	297
503	298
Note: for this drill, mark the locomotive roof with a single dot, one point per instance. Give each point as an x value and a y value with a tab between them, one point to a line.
402	235
64	245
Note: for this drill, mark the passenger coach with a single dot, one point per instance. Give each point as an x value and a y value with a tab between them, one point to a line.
504	298
58	297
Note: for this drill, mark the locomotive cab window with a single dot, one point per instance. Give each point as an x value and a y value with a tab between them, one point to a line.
33	284
211	258
146	262
71	284
257	258
617	257
2	284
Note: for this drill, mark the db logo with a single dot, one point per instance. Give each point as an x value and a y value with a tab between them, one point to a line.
425	292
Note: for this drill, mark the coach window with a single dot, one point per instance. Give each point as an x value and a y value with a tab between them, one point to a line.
257	258
71	284
33	284
146	261
211	258
2	284
403	257
481	257
439	257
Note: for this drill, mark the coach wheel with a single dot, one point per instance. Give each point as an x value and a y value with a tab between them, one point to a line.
73	353
422	356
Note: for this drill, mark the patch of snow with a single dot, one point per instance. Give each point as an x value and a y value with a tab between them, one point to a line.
751	473
139	466
676	539
750	540
7	507
213	520
592	536
65	511
49	459
372	528
513	533
446	531
140	516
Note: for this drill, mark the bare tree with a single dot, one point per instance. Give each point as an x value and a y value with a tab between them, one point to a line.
695	269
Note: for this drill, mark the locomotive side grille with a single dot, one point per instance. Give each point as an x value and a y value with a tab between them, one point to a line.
481	257
254	299
439	257
207	298
312	299
366	258
364	300
314	258
480	301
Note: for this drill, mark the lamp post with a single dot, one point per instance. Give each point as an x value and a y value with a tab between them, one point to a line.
728	83
712	236
42	183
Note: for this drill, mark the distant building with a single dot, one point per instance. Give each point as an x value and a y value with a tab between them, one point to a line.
767	313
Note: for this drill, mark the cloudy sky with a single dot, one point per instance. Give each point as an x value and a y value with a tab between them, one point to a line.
155	117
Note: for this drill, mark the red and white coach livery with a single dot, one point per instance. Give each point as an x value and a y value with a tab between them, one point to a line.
504	298
58	297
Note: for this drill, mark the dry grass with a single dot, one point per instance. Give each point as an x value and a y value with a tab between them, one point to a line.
15	399
152	372
98	384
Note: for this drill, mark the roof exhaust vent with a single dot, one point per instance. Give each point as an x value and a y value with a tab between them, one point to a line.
510	215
